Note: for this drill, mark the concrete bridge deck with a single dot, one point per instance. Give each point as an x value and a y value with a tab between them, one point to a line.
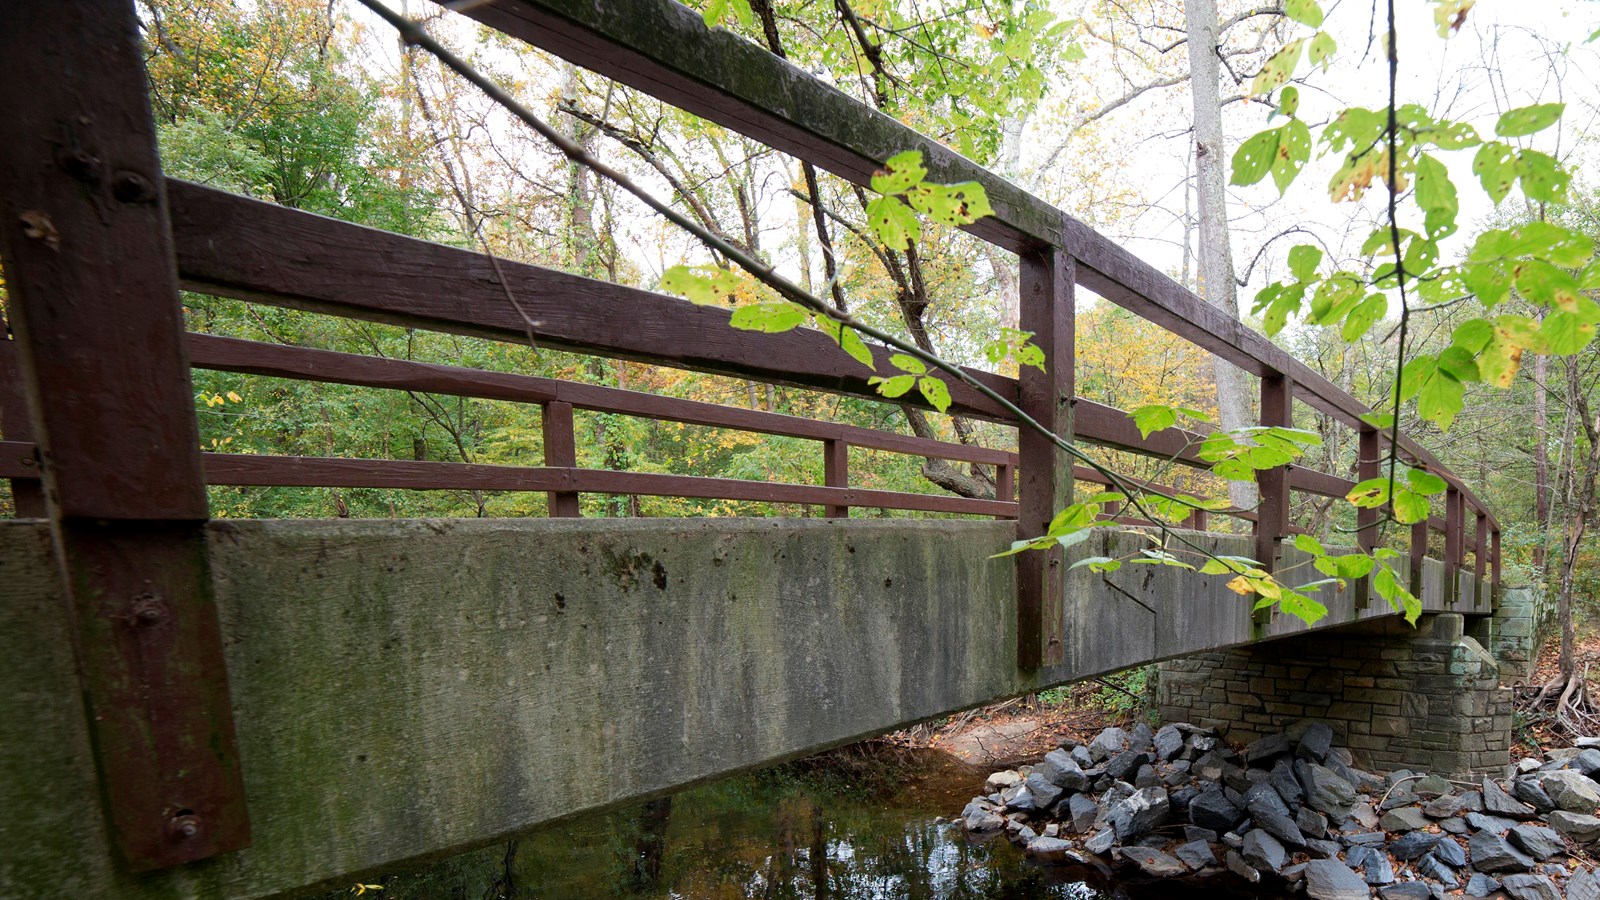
409	689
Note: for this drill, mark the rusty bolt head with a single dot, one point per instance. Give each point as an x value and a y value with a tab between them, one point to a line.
149	610
183	827
131	187
80	164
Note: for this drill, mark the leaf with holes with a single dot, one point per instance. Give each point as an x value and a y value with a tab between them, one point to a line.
1528	119
895	386
935	392
1253	160
700	285
893	222
1495	164
1363	317
773	318
1306	12
1303	261
1543	179
1293	150
1277	70
901	173
1436	194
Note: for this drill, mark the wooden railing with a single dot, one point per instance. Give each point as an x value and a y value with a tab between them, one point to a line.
102	364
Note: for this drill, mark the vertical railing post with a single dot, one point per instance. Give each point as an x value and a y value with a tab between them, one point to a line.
1045	476
1369	464
836	473
1455	529
1272	522
1480	553
94	303
561	450
1494	564
1005	483
1199	519
1419	552
27	494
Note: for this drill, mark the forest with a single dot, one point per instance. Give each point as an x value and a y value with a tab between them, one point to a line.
1096	106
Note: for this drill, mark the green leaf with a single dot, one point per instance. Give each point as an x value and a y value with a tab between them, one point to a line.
1302	607
1424	482
701	285
1529	119
1294	149
1072	539
1543	179
1277	70
935	391
1436	194
1322	47
893	387
1306	12
1347	566
1153	418
1495	164
1369	494
1303	261
1097	564
1566	333
1309	544
952	204
1253	160
1288	101
901	173
1365	314
893	222
847	339
773	318
905	362
1387	584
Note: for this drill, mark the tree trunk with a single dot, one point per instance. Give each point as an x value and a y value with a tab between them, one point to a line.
1217	283
1541	456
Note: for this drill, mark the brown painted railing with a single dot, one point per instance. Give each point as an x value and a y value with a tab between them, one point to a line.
101	368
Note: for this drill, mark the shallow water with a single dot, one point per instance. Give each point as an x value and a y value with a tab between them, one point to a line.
852	826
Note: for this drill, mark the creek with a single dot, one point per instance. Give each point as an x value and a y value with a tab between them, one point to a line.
862	823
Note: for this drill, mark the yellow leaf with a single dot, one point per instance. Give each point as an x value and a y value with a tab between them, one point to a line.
1241	585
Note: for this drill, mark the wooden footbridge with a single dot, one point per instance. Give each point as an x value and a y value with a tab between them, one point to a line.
193	707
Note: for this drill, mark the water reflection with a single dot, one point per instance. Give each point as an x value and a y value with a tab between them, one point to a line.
850	827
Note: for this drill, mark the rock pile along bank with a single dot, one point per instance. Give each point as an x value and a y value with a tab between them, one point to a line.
1179	803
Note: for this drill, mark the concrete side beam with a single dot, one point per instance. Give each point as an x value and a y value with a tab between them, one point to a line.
406	689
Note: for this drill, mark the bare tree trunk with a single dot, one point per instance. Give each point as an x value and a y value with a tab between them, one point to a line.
1541	456
1217	283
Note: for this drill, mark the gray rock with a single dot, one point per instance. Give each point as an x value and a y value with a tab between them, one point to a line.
1365	815
1263	851
1325	791
1288	787
1454	825
1529	791
983	822
1312	824
1407	819
1108	743
1587	762
1268	811
1154	863
1530	887
1410	890
1583	886
1209	767
1195	854
1215	811
1450	853
1239	867
1369	839
1481	885
1022	800
1316	742
1431	787
1329	879
1499	803
1414	845
1443	807
1146	777
1491	853
1397	799
1101	842
1060	769
1571	791
1480	822
1082	810
1124	764
1141	738
1081	756
1536	841
1322	849
1192	833
1431	866
1263	751
1139	814
1052	849
1580	828
1045	794
1379	871
1168	743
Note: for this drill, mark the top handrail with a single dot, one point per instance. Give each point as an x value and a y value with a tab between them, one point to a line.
664	49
